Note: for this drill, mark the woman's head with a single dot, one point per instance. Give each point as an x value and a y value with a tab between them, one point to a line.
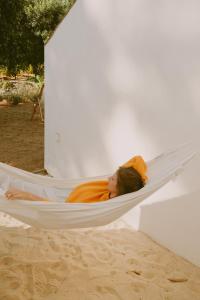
125	180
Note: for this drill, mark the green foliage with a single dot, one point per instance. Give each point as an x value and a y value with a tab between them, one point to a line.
17	38
38	79
3	71
45	15
25	25
28	70
14	99
7	85
20	90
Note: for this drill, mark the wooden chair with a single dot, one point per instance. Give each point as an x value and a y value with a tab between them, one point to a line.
38	104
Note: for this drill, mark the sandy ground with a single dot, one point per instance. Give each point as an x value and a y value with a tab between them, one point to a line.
108	263
21	140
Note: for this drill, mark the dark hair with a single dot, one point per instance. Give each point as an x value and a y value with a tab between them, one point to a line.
128	181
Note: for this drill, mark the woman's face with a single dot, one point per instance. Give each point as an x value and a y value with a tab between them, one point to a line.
112	183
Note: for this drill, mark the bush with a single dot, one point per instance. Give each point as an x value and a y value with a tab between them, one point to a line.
20	91
1	97
7	85
14	99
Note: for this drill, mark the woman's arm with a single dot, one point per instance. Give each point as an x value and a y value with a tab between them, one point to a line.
15	194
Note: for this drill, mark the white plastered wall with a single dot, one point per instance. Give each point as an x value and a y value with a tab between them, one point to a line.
122	78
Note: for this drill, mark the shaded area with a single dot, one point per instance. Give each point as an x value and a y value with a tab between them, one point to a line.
174	222
127	90
21	140
67	136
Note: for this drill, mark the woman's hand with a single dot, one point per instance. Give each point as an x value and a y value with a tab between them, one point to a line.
14	194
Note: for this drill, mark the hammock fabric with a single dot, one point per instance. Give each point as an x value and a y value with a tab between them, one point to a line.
59	215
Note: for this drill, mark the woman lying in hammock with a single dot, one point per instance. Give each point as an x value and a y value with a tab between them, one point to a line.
128	178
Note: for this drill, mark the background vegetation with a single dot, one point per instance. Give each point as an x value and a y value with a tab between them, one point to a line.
25	27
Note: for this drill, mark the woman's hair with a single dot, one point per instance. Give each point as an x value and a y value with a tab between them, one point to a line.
128	181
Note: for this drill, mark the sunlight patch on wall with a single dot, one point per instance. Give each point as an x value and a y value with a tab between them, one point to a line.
124	137
123	75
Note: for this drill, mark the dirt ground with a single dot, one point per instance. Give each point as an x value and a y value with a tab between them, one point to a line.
21	140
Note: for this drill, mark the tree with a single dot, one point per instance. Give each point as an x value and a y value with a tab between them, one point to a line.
45	15
25	25
17	38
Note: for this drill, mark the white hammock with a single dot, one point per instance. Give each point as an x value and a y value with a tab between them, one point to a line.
57	214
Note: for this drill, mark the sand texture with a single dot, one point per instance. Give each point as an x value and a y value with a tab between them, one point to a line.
109	263
22	140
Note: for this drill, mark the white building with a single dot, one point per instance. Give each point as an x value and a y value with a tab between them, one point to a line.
122	80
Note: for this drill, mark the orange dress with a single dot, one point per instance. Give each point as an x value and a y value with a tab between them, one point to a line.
96	191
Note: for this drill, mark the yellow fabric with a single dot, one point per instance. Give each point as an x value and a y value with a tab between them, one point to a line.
96	191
